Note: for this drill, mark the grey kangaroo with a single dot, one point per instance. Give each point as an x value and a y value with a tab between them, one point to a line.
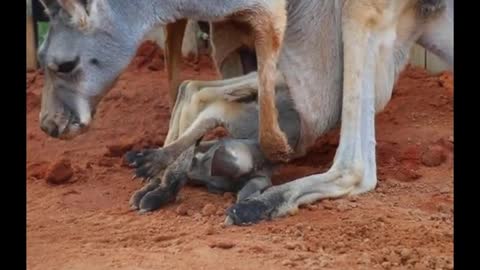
339	60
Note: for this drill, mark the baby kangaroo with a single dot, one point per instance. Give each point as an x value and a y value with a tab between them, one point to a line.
234	164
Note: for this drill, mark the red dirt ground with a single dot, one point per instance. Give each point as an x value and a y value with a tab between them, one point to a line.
84	222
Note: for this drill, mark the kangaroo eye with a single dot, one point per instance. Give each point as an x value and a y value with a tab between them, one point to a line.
94	61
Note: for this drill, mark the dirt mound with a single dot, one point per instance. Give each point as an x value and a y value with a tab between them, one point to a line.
59	172
406	223
149	55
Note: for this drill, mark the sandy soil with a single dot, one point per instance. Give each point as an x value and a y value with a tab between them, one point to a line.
78	191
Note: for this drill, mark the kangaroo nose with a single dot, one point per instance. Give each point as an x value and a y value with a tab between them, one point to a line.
64	65
50	128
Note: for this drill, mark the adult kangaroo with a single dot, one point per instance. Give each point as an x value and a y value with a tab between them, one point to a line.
339	58
99	38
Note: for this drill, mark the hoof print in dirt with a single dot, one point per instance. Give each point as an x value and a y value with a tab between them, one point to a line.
148	163
248	212
155	199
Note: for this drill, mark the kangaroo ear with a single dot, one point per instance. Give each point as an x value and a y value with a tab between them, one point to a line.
46	9
77	10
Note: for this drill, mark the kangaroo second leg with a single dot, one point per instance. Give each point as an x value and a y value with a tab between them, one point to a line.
354	168
268	41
